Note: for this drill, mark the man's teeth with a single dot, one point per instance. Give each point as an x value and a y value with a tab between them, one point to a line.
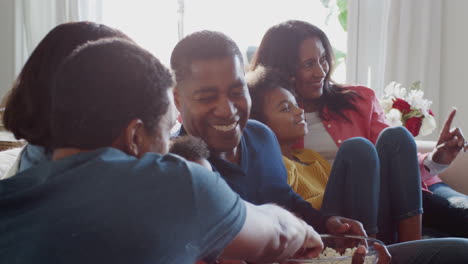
226	127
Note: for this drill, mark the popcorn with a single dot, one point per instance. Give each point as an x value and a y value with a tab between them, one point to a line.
330	253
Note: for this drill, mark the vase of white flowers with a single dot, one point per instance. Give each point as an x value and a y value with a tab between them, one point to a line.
407	107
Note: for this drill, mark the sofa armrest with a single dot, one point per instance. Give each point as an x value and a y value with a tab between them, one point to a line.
456	174
9	162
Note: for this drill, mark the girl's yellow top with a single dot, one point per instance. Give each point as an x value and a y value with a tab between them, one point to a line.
308	175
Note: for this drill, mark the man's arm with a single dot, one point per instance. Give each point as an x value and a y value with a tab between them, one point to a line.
304	209
270	234
236	229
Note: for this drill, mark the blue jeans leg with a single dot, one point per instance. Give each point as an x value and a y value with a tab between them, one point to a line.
446	210
352	189
428	251
400	182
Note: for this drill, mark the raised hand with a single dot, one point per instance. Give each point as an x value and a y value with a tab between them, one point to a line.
451	142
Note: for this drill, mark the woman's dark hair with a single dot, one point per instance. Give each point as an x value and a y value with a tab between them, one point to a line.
101	87
261	81
27	110
201	45
279	49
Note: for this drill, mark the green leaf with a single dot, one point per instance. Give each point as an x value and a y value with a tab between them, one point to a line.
342	12
342	5
416	85
325	3
340	56
343	18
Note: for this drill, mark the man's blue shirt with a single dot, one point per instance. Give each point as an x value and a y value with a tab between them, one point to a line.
104	206
261	176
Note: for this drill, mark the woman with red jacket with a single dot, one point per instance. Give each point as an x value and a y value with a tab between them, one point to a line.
335	113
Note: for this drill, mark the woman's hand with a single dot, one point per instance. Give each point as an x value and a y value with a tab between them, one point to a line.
450	143
341	225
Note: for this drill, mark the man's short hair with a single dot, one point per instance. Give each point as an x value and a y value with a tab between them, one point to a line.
101	87
190	147
260	82
201	45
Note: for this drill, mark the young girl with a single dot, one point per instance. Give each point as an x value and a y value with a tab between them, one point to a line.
354	186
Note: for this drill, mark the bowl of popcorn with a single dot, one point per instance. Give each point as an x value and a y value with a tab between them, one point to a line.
339	249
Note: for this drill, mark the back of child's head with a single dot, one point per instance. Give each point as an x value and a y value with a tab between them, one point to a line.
101	87
191	148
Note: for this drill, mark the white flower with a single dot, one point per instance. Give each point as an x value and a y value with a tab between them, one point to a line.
395	90
428	125
416	100
394	117
386	104
414	96
400	92
419	107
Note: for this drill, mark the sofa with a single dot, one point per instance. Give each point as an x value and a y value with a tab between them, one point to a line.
455	176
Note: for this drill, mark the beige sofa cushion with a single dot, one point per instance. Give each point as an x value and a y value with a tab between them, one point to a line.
9	161
456	175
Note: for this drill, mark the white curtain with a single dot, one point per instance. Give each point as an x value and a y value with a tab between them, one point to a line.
34	19
396	40
180	19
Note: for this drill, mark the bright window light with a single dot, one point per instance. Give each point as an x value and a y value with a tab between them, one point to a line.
154	24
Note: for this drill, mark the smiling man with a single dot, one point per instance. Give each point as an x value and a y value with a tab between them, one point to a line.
111	195
214	102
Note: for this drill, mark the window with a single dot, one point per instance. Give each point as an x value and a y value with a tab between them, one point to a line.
154	24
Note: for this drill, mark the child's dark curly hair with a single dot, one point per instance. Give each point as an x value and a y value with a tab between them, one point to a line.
190	147
261	81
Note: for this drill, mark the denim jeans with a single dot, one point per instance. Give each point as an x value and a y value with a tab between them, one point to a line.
400	180
428	251
33	155
376	185
353	186
446	210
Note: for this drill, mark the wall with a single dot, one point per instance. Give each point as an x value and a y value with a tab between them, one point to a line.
454	75
454	80
7	48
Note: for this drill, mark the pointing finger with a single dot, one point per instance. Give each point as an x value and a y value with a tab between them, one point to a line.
448	122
